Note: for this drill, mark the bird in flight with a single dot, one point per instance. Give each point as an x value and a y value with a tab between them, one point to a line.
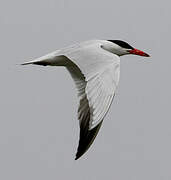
95	68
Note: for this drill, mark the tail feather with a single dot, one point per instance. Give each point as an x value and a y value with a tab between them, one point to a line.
51	60
44	60
36	63
27	63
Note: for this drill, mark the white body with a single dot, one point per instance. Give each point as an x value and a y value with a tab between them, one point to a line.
95	68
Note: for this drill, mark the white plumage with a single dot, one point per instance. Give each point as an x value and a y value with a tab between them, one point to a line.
95	68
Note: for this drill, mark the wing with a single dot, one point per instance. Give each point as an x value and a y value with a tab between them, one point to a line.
86	136
96	80
96	74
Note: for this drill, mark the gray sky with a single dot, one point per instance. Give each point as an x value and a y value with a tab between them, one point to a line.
38	122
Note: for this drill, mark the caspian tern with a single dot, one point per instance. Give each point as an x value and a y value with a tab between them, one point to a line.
95	68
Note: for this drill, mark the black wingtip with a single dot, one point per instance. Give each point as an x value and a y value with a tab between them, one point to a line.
76	158
86	139
79	154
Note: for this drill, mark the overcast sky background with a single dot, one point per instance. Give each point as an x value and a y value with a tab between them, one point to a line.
39	130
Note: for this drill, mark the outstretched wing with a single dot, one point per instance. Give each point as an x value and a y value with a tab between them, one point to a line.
96	75
86	136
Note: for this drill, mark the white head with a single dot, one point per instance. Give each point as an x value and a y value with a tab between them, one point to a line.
121	48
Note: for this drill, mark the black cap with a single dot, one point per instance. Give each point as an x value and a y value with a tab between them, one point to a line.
122	44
